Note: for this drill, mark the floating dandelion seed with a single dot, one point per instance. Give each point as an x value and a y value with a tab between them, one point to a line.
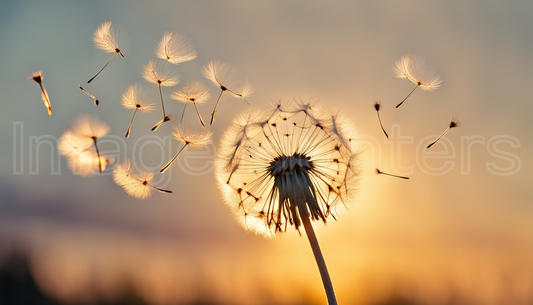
453	123
226	79
188	137
133	98
104	38
162	76
175	48
377	106
383	173
81	159
419	71
91	128
96	102
137	185
38	78
285	167
194	92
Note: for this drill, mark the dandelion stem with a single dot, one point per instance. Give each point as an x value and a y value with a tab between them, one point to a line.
313	241
215	109
383	173
160	190
98	154
442	134
379	118
172	161
183	113
162	104
129	126
199	116
103	67
407	96
45	98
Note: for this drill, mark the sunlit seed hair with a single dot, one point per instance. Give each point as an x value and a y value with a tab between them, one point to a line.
104	39
137	185
227	79
191	137
135	98
264	164
192	92
188	137
82	158
175	48
72	145
158	73
38	78
90	127
419	71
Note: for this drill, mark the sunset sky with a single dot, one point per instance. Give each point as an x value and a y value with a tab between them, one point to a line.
459	231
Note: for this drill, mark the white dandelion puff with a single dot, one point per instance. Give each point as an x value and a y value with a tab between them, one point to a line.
175	48
419	71
104	39
287	169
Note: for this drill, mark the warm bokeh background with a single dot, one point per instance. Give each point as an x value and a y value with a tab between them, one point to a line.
458	236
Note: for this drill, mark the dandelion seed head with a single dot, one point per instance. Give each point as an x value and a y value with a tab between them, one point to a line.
265	169
37	77
453	123
175	48
190	137
90	127
377	105
419	71
157	73
193	92
135	98
104	38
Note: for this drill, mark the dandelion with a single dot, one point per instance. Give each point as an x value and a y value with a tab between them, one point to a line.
453	123
96	102
377	106
81	159
419	71
386	174
38	78
194	92
91	128
175	48
162	76
137	185
188	137
104	39
287	166
226	79
133	98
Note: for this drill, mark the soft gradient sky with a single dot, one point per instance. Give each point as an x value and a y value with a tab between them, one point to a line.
461	235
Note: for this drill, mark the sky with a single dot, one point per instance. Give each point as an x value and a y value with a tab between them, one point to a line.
459	231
